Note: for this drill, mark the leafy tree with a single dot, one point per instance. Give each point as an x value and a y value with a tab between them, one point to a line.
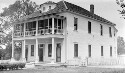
13	13
120	45
121	3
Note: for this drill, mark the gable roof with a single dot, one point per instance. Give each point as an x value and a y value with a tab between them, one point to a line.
63	6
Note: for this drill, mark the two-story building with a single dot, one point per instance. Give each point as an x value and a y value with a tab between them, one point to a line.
64	32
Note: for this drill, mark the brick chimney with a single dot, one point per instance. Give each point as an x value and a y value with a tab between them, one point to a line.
92	8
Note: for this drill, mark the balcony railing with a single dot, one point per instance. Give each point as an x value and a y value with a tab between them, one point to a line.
40	32
30	33
18	34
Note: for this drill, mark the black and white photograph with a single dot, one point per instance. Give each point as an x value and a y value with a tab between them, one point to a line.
62	36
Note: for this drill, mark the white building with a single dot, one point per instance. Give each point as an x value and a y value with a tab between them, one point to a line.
64	32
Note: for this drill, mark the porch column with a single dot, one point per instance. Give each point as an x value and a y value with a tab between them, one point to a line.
23	49
52	25
52	61
36	54
12	48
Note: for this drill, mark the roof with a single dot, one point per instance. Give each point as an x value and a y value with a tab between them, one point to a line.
49	2
63	6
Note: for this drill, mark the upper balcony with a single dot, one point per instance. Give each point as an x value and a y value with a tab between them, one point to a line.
39	27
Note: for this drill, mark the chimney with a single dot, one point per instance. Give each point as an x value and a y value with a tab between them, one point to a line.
92	8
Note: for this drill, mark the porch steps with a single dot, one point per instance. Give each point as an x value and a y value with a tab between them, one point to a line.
30	65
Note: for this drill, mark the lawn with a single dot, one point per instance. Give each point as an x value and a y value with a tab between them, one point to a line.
68	70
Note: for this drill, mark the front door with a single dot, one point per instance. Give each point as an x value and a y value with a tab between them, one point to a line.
26	52
40	51
58	52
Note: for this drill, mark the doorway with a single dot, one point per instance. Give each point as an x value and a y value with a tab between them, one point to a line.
58	52
40	51
26	52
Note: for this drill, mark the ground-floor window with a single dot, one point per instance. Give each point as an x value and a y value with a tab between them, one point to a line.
75	50
32	50
89	50
101	50
49	50
110	50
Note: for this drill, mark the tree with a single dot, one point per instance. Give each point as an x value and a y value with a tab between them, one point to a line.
121	3
120	45
14	13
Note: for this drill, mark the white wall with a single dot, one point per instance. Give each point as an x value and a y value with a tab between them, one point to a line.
83	39
45	50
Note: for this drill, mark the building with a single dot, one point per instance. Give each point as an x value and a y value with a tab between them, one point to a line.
64	32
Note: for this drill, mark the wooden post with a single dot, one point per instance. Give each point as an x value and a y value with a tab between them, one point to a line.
36	54
52	57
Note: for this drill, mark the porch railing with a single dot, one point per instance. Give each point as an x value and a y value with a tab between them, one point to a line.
30	33
40	32
19	34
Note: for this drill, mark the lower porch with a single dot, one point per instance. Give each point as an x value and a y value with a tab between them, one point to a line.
40	50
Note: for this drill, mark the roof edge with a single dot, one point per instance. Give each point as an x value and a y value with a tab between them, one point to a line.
65	4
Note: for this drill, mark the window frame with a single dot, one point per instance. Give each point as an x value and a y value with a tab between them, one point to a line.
89	27
76	50
49	50
32	50
111	51
102	51
75	23
89	50
101	29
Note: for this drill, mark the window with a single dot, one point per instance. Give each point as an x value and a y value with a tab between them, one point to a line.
43	8
114	33
75	50
101	50
110	32
89	27
89	50
110	50
101	27
75	23
49	50
49	7
32	50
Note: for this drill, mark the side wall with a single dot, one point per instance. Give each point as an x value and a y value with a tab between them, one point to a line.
84	39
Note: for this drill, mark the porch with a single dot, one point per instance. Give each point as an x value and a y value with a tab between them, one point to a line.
49	24
42	50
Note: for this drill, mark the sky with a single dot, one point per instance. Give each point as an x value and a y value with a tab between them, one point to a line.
104	8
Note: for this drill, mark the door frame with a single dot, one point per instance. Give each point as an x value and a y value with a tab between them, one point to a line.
60	52
43	50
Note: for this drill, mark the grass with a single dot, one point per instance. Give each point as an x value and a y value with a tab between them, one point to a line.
68	70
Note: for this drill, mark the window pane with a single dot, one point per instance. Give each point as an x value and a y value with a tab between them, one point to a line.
110	51
110	33
55	23
59	23
101	50
75	50
46	23
89	50
75	23
49	50
50	23
89	27
32	50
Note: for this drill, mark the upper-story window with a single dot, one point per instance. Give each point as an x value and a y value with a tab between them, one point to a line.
89	27
43	8
49	7
75	23
101	30
110	32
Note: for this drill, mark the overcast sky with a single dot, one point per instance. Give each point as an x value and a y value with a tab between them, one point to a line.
104	8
